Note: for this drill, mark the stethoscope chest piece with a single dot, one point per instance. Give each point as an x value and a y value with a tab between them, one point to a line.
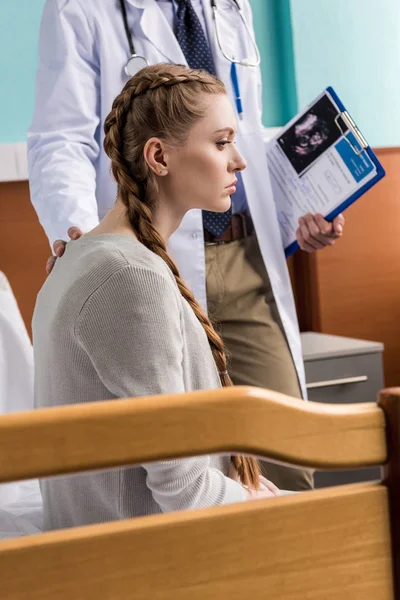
135	64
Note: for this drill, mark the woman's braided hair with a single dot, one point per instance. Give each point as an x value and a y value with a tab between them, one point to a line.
162	101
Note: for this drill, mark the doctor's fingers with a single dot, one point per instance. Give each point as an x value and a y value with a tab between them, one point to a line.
333	229
74	233
59	247
311	234
319	229
303	244
50	264
338	224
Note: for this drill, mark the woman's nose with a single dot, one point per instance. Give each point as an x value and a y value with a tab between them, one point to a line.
239	162
242	165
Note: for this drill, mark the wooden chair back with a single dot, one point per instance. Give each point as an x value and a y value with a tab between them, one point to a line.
334	543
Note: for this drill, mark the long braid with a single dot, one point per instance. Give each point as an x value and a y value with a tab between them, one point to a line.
139	193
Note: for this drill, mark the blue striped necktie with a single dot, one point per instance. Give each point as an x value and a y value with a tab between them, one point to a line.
191	37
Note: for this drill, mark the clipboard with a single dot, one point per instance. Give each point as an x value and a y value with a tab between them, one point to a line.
355	144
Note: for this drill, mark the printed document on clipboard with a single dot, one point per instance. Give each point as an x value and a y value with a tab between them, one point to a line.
319	163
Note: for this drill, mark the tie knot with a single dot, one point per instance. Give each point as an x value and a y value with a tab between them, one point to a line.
185	5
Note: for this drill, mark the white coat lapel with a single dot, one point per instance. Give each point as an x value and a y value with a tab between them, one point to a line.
157	30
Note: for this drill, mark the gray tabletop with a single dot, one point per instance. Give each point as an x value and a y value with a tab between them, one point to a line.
320	345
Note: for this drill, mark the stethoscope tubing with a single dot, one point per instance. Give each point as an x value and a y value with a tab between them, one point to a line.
244	62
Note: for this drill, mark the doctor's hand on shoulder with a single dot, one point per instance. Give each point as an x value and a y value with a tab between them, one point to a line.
59	247
315	232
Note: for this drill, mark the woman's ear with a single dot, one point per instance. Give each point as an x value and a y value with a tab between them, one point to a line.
155	156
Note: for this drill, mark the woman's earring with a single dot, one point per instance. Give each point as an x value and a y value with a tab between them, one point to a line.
162	171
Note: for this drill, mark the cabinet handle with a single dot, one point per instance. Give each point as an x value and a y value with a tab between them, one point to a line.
331	382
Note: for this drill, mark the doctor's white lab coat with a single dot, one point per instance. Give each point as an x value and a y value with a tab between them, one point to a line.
82	53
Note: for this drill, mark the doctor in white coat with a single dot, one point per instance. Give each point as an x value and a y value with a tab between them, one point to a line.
83	49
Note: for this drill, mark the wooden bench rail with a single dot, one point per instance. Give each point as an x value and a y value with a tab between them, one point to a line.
314	545
238	420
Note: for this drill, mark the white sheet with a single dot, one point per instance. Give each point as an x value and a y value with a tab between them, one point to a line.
21	511
16	355
20	502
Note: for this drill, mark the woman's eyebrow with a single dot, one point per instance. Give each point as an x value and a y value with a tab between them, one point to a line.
228	129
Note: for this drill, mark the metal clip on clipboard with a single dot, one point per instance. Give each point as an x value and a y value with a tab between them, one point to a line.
351	126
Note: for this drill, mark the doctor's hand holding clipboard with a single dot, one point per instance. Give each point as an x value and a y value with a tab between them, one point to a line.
319	164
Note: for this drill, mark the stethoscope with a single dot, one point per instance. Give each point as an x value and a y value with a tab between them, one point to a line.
136	62
245	62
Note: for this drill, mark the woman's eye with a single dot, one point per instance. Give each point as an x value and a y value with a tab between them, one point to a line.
223	143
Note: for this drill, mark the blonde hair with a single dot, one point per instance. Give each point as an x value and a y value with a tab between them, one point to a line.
162	101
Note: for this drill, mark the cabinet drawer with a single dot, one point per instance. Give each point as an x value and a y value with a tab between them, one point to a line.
345	379
328	478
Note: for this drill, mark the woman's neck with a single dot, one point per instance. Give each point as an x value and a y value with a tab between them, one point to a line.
116	221
167	218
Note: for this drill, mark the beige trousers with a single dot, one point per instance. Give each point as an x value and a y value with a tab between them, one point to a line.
241	302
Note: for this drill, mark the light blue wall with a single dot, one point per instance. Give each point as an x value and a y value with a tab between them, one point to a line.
305	45
19	30
274	38
353	45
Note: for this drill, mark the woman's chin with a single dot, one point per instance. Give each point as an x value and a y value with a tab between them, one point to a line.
219	207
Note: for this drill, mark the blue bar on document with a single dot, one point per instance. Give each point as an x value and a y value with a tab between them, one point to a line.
235	83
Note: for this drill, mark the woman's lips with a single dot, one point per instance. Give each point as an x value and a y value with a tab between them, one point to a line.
231	187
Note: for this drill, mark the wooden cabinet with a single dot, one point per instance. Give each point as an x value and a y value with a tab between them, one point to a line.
353	289
24	247
342	370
